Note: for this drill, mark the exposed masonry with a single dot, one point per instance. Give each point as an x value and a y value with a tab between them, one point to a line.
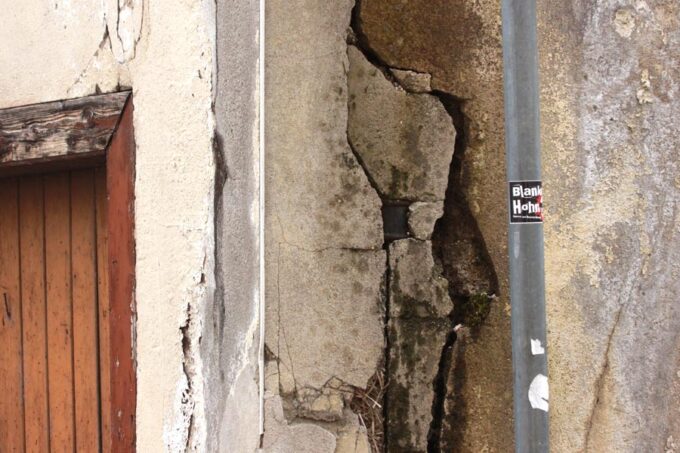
434	338
361	341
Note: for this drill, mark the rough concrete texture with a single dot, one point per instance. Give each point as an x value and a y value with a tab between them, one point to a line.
283	437
405	140
417	288
318	196
422	217
353	440
612	236
327	310
451	407
609	78
418	329
325	266
413	364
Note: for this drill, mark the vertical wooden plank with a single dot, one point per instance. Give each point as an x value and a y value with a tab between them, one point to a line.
103	295
59	314
11	385
32	232
85	316
120	177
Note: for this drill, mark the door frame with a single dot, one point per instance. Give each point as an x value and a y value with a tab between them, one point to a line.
87	132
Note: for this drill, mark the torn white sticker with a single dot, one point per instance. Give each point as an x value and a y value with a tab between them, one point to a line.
538	393
536	347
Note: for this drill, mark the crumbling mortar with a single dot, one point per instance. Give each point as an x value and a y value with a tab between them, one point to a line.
187	368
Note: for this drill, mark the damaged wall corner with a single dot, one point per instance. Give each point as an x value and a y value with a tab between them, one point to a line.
230	338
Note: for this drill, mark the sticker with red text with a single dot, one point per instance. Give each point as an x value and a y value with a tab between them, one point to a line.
526	201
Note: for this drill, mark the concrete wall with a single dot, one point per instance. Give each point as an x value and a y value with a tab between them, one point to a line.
610	112
609	89
166	51
609	83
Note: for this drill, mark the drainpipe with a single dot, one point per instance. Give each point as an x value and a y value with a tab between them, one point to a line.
261	209
525	238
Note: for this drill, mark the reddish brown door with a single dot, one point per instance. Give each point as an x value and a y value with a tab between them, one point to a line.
54	339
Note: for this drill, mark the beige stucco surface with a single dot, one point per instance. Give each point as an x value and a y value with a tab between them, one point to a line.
164	51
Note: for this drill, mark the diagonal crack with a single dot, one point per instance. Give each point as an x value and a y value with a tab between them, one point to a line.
600	381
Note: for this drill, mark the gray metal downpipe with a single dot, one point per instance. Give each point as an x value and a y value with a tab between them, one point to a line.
525	239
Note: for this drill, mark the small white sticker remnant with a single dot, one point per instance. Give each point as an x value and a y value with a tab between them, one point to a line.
538	393
536	347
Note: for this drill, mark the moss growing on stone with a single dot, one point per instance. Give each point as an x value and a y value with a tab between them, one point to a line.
475	309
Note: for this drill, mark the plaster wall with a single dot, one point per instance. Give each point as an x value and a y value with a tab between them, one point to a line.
165	51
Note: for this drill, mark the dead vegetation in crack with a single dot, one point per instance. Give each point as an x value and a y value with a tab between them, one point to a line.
367	404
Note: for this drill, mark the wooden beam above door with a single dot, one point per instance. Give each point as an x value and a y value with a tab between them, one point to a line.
71	130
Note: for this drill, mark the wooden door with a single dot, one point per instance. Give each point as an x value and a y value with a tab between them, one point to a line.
54	327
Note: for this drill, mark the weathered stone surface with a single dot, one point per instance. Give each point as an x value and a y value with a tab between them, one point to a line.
613	263
325	266
318	196
422	216
453	407
466	64
405	140
416	347
328	309
417	288
281	437
415	82
326	404
417	331
352	439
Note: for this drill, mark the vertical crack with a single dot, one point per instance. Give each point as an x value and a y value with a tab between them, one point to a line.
187	395
440	393
459	247
460	250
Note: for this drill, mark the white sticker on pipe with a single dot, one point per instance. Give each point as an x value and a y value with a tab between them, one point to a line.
536	347
538	393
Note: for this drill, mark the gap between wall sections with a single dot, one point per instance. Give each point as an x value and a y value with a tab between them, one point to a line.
261	203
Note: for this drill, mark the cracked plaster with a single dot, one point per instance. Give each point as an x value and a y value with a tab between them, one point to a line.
165	53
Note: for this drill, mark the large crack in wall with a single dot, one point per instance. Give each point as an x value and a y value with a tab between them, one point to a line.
361	337
426	331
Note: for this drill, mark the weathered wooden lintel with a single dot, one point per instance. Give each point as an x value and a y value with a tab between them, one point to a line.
58	133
